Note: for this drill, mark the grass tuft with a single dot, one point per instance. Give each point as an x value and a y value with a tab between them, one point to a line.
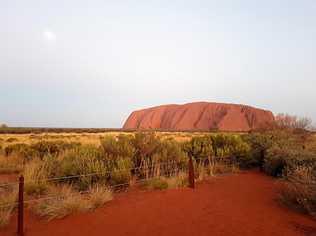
98	196
67	201
35	172
7	205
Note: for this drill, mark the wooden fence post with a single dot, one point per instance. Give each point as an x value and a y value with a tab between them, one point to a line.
21	207
191	173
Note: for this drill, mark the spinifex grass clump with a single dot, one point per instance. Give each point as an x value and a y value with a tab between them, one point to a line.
159	183
98	196
178	181
66	200
8	198
35	175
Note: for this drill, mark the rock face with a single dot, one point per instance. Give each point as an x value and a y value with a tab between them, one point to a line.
200	116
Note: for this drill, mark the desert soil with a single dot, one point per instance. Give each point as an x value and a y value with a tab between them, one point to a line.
240	204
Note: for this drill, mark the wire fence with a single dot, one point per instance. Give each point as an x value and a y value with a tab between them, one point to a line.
142	174
138	175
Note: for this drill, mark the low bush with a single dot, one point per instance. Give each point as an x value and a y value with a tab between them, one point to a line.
39	149
53	148
275	161
219	146
146	145
167	159
299	189
121	172
229	146
280	159
200	147
82	160
117	147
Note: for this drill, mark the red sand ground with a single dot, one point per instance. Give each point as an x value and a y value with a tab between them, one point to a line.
200	116
242	204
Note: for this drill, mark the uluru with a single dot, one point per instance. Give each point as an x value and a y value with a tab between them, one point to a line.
200	116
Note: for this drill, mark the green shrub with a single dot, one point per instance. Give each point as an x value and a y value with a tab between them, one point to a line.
83	160
146	144
275	161
53	148
280	159
230	146
200	147
121	172
120	146
169	158
259	144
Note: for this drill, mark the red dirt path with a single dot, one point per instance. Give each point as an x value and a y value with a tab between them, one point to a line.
242	204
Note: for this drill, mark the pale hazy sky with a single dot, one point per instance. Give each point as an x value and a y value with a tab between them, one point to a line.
78	63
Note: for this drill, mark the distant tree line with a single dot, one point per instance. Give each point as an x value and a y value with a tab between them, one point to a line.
293	122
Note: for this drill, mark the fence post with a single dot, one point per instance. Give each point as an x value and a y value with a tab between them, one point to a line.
191	173
21	207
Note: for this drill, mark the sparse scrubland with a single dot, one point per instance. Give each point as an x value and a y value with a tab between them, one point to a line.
71	175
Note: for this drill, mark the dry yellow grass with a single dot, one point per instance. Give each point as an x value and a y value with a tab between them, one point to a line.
69	201
7	201
87	138
84	138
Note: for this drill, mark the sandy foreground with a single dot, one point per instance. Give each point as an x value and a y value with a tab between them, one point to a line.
240	204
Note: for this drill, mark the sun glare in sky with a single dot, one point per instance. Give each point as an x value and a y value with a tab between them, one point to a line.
49	35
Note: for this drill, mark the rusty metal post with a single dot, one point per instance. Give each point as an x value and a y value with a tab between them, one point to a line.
191	173
21	207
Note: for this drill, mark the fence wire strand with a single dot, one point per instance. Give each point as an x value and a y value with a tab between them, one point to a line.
176	166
